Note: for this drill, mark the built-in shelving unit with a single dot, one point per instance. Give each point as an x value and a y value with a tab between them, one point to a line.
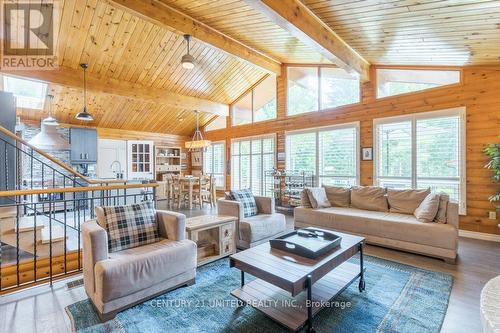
168	161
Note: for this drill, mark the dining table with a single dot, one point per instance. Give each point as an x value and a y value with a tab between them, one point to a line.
190	182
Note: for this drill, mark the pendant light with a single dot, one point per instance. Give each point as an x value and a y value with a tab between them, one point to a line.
50	120
197	142
187	60
84	115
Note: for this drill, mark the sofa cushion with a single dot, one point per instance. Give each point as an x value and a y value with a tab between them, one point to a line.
135	269
405	201
262	226
245	197
369	198
443	208
338	196
427	210
304	199
130	226
401	227
317	197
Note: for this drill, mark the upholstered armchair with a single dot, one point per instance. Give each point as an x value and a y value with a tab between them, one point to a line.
115	281
258	229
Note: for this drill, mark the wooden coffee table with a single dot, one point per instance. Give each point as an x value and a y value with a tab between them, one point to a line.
291	289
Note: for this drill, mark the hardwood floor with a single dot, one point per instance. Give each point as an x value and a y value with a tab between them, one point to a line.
41	309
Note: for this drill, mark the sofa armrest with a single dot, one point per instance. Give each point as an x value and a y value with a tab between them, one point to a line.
95	249
452	214
230	208
265	205
171	225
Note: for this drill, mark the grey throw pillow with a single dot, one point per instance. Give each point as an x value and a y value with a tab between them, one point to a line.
317	197
304	199
428	209
443	207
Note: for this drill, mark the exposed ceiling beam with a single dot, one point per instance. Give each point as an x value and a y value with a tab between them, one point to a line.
73	78
165	16
302	23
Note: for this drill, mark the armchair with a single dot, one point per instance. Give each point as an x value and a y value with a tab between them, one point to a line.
258	229
115	281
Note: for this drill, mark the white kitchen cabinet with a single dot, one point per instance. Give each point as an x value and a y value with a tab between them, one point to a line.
111	158
140	160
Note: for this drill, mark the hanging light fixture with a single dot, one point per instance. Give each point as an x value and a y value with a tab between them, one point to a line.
197	142
50	120
187	60
84	115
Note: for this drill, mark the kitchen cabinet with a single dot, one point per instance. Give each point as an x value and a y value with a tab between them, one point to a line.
83	145
111	158
140	160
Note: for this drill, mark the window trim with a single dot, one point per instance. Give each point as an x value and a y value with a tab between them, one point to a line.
250	138
377	67
318	67
461	112
251	92
223	142
317	130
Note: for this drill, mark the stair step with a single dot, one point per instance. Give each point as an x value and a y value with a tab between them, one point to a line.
57	234
26	224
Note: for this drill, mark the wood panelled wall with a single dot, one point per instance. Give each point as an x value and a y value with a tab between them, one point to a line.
479	92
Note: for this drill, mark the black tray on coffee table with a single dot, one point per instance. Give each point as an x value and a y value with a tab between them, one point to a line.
307	242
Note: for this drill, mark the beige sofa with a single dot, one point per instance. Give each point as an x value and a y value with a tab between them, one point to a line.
118	280
258	229
389	229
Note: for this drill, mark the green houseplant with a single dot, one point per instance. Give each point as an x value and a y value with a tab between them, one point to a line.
493	152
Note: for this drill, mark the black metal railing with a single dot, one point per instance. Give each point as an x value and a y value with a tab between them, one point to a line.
42	240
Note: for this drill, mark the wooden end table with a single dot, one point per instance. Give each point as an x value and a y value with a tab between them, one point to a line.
281	277
214	235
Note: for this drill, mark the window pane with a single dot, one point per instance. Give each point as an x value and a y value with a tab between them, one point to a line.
256	146
394	155
399	81
235	172
302	90
29	94
242	110
264	99
338	88
438	147
207	160
301	152
338	152
218	123
218	158
268	165
268	145
257	179
244	147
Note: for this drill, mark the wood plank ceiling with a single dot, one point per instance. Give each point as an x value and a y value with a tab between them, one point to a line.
121	46
416	32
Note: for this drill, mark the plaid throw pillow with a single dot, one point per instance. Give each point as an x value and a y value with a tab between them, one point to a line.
248	201
131	226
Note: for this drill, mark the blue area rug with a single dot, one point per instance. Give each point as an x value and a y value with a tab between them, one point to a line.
398	298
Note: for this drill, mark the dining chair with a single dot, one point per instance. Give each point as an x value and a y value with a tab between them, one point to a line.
203	191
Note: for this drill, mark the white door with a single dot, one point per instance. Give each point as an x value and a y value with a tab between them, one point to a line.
111	158
140	160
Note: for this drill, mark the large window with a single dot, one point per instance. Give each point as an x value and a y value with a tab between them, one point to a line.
330	153
319	88
250	159
213	163
257	105
217	123
422	151
399	81
29	94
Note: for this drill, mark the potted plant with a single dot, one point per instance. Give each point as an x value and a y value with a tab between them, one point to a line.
493	152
